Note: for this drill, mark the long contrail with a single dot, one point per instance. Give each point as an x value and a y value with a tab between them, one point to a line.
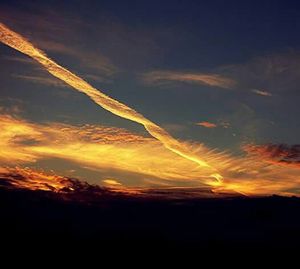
16	41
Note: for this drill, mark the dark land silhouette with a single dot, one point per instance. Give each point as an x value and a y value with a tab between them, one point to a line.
90	214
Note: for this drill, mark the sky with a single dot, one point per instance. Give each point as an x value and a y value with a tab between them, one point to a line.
218	79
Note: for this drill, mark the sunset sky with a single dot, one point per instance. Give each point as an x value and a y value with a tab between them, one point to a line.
210	88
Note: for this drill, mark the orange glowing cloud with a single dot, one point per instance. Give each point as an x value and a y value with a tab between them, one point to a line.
98	147
206	124
17	42
12	132
102	147
164	158
25	178
278	154
112	182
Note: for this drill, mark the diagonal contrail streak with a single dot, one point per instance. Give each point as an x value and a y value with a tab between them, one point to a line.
16	41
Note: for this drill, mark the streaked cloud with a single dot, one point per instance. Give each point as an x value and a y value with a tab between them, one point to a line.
97	78
102	67
26	178
42	79
111	182
53	32
168	160
87	59
175	127
29	179
262	93
12	106
277	72
19	43
206	124
213	80
278	154
103	148
97	147
20	59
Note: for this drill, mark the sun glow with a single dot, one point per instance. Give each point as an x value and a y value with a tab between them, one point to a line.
162	157
19	43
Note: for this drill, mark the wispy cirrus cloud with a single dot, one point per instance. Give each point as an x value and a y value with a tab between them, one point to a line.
87	59
278	154
261	92
266	75
42	79
213	80
54	32
19	59
96	147
117	157
206	124
112	182
19	43
95	62
11	106
103	148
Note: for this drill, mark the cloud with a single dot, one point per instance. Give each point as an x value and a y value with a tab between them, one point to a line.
171	159
42	79
213	80
262	93
97	78
20	59
207	124
11	106
279	154
225	124
19	43
54	32
103	148
87	59
98	147
174	127
77	190
26	178
277	72
12	130
94	62
29	179
111	182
